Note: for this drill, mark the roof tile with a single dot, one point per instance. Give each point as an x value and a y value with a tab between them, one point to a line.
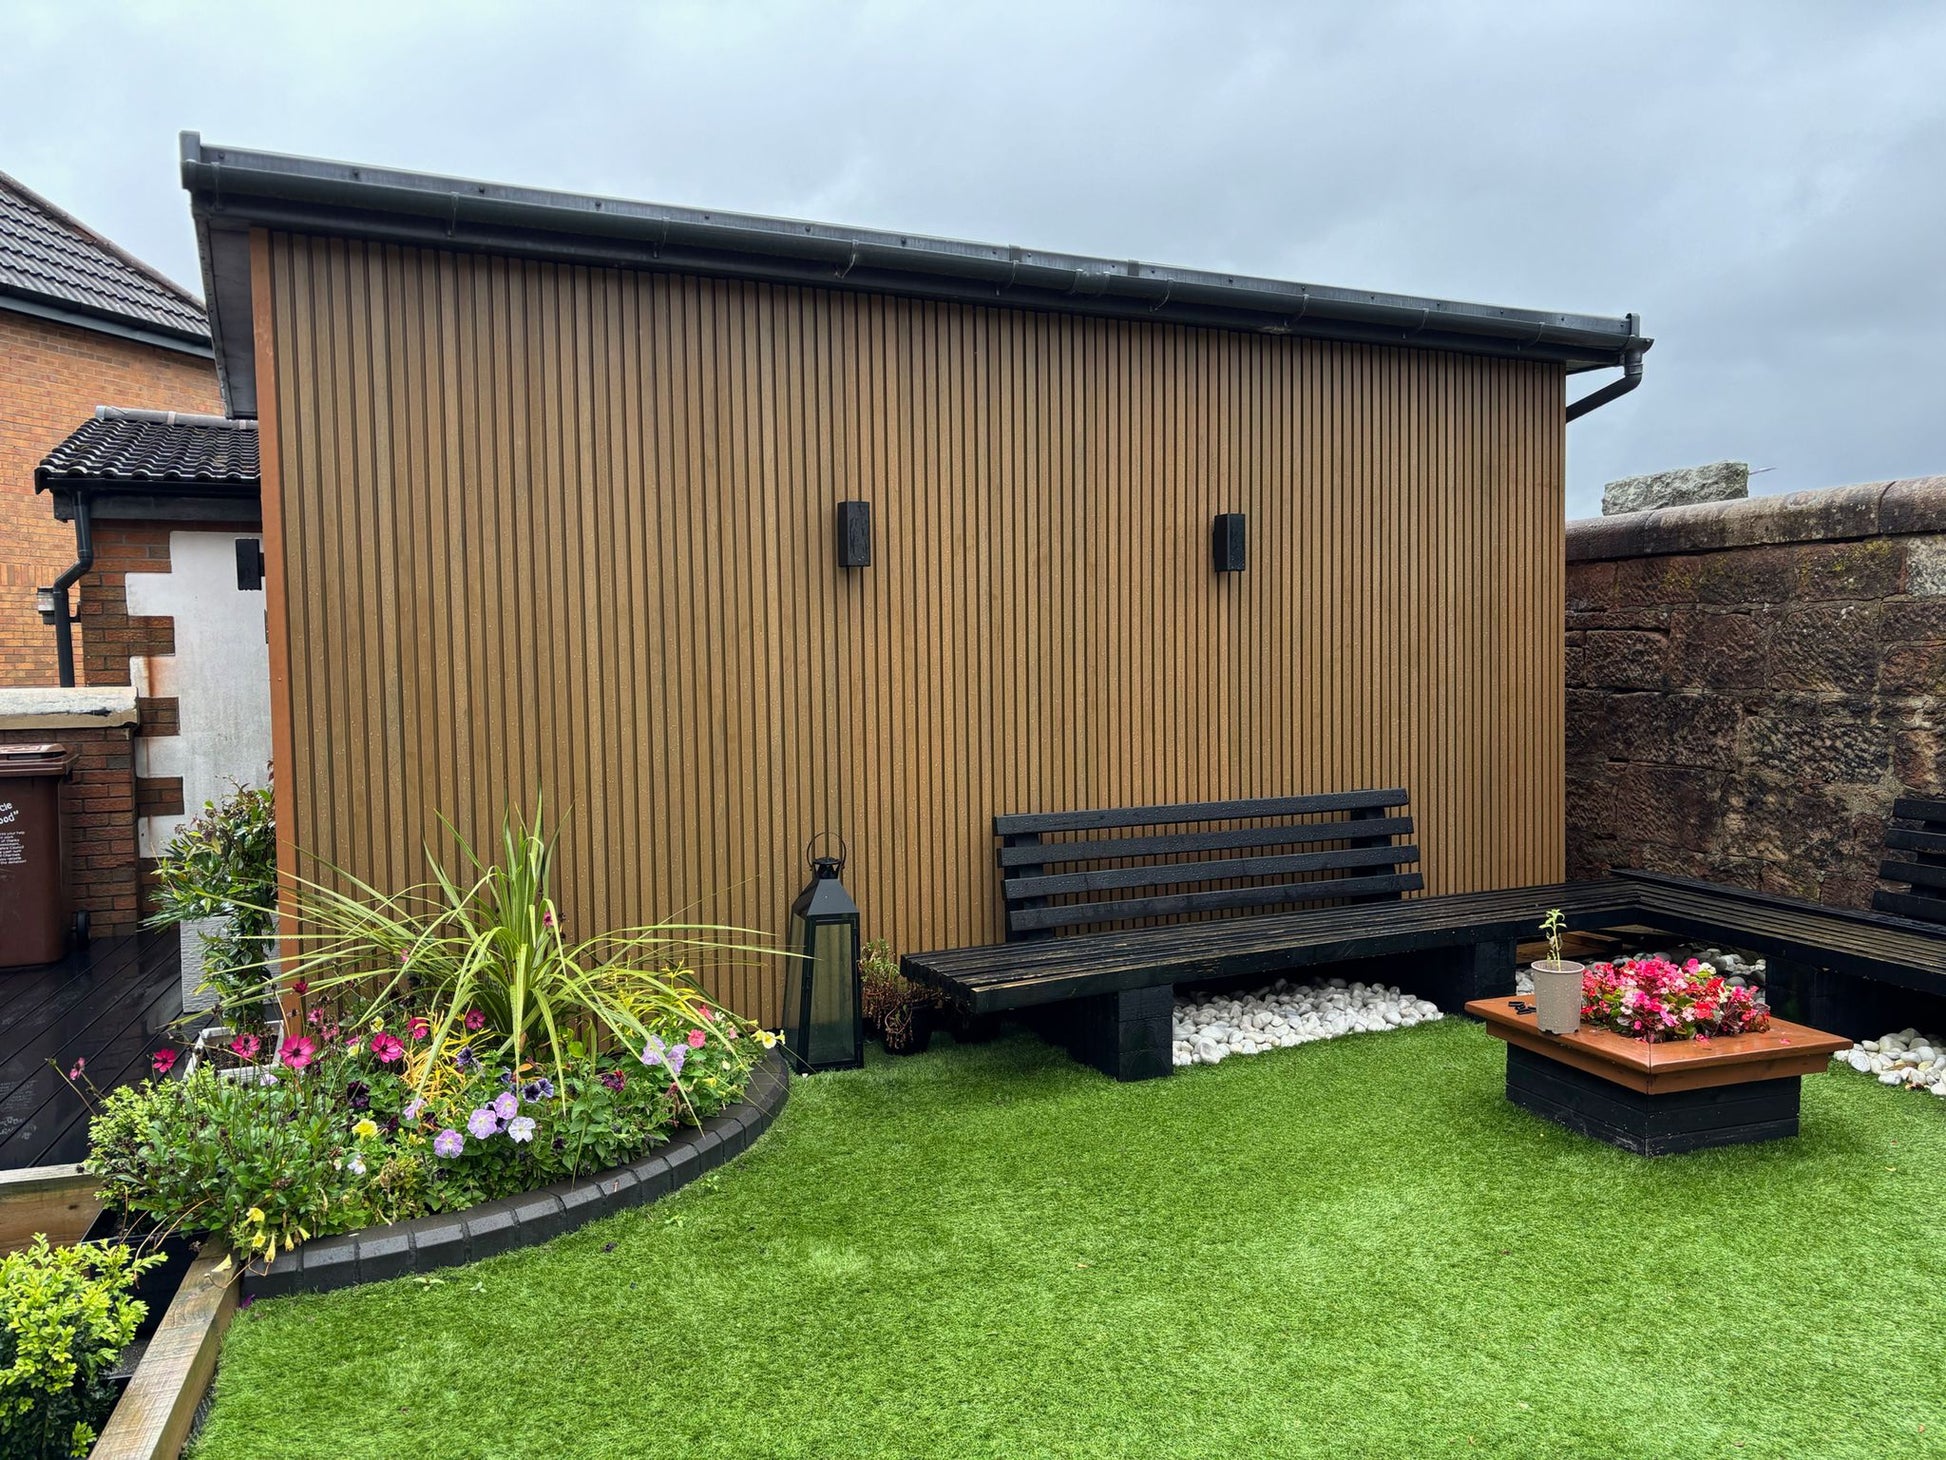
154	447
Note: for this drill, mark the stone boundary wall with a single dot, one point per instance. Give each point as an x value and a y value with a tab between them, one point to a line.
1750	685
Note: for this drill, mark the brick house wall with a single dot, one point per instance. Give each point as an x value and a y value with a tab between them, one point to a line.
1751	684
52	376
99	809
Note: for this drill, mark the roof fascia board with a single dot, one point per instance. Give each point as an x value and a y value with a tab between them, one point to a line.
41	307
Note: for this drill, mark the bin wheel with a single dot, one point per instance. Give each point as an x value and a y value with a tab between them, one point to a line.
81	929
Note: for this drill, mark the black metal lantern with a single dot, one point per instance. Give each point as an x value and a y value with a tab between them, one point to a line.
824	1027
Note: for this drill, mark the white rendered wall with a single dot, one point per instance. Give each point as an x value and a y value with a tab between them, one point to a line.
220	677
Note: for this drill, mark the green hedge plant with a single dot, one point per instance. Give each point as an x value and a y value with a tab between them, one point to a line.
66	1314
223	867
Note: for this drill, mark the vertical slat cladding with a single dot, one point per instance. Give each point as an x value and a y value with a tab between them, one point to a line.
562	531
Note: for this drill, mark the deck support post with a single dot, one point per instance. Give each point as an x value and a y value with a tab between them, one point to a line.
1128	1035
1454	976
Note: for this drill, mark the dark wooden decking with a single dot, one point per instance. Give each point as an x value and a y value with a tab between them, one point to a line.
110	1004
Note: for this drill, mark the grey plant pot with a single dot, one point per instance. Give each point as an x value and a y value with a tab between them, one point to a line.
1557	995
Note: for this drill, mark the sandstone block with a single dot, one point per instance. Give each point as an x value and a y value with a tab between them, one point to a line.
1720	481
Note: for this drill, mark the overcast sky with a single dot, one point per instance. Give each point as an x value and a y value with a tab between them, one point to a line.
1764	183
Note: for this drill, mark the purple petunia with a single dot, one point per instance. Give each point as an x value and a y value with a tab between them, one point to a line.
539	1089
615	1080
358	1095
505	1105
521	1128
483	1123
411	1111
653	1051
448	1143
677	1054
466	1061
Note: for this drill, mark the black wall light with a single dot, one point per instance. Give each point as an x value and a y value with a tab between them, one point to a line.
854	534
1227	543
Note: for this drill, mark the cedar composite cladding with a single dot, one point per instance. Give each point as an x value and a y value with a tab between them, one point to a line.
569	530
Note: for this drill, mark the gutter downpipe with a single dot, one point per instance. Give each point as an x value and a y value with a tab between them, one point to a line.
64	617
1615	389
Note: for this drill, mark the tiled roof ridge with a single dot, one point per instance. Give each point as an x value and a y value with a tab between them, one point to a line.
173	418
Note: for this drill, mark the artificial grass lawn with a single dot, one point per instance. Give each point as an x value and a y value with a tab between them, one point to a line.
1346	1249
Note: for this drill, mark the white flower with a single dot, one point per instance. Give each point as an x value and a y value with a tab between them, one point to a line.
357	1165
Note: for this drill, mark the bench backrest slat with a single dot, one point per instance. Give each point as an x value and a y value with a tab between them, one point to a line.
1357	845
1187	812
1289	894
1918	861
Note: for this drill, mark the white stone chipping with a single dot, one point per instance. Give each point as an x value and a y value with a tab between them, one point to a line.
1909	1058
1211	1027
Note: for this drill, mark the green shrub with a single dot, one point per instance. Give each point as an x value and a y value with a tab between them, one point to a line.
223	865
66	1314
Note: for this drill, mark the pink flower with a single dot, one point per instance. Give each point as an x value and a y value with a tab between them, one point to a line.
696	1038
300	987
419	1026
316	1016
164	1061
547	917
245	1046
475	1021
76	1070
387	1047
298	1052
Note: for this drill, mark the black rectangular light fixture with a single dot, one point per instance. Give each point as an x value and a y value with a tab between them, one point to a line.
854	534
1228	549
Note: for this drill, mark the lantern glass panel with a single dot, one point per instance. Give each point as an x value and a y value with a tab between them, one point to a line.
794	980
834	1011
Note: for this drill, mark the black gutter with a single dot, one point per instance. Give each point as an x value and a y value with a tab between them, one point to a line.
233	190
64	616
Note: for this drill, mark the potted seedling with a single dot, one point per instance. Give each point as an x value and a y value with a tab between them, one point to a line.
1557	983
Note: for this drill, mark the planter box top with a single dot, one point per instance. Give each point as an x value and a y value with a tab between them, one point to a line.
1785	1049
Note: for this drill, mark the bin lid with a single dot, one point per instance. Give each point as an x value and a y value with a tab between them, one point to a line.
34	760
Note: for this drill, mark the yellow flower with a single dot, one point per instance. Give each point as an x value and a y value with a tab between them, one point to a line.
365	1129
256	1214
767	1039
378	1024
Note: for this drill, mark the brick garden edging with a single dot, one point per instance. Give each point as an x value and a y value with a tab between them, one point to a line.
449	1239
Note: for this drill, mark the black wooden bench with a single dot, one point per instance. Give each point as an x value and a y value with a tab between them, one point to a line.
1339	860
1074	872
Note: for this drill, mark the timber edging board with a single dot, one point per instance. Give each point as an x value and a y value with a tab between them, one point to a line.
154	1417
450	1239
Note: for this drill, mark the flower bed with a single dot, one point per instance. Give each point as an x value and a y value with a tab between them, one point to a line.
373	1125
1654	1000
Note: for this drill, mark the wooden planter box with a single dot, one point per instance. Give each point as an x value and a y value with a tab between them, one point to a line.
1659	1099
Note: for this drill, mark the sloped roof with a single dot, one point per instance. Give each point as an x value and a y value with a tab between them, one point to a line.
158	449
233	190
54	265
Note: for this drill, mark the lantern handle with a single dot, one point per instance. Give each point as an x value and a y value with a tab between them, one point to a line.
811	849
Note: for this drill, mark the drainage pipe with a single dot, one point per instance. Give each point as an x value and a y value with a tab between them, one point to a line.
1615	389
84	559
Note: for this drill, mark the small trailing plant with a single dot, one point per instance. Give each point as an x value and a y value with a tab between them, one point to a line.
223	866
1652	999
1551	926
887	997
66	1314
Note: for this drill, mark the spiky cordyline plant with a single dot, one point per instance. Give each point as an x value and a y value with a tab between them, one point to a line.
491	939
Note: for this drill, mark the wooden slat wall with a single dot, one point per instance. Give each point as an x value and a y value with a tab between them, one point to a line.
570	530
